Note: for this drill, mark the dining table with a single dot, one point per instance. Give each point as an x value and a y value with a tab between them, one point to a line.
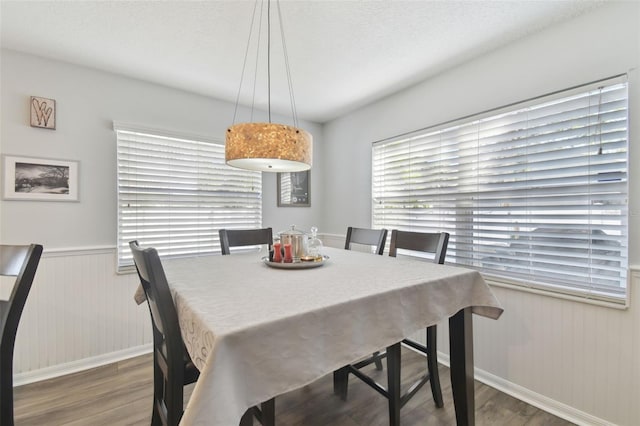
256	330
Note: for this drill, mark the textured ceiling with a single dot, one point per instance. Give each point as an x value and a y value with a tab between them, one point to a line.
342	54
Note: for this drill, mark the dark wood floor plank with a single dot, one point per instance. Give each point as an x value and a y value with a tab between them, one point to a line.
121	393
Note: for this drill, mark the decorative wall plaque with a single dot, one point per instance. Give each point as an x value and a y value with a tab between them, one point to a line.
43	113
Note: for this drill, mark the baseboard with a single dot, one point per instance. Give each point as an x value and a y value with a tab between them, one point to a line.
537	400
79	365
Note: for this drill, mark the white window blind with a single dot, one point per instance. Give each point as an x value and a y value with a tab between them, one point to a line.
534	194
175	193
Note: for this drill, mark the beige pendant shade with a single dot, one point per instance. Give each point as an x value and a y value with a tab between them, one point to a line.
268	147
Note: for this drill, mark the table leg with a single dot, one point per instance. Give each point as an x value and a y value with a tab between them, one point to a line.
461	358
393	386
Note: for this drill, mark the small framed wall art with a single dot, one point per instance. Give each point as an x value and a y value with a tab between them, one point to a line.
294	189
43	113
39	179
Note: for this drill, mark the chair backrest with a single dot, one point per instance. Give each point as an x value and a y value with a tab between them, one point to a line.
169	351
426	242
365	236
20	262
244	237
164	317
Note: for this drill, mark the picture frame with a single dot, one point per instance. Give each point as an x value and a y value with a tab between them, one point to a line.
294	189
39	179
43	112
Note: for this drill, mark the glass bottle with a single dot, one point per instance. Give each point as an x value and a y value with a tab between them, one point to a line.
314	246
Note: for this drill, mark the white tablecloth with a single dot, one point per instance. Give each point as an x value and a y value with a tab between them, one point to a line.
256	332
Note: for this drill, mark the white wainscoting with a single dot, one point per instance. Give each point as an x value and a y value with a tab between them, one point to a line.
79	314
584	357
576	360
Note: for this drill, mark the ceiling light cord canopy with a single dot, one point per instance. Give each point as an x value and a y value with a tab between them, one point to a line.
268	147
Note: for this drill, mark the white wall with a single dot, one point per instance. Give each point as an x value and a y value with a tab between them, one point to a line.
601	44
580	360
88	101
80	313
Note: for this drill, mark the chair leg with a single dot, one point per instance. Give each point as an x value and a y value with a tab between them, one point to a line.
341	382
393	387
432	365
174	398
6	390
156	420
377	361
158	394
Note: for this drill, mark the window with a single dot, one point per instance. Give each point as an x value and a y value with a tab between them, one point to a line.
534	194
175	193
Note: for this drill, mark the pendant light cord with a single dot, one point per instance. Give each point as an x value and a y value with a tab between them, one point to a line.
286	61
599	122
269	58
292	100
244	63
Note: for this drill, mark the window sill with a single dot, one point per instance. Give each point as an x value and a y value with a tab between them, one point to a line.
621	304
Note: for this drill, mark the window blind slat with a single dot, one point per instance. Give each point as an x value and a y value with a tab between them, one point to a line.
534	194
175	193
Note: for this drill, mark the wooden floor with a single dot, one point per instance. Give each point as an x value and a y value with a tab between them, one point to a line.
120	394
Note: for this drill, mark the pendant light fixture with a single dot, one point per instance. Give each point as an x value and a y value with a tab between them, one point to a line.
268	147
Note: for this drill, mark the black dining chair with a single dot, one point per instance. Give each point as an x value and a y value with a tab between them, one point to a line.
20	262
366	237
410	243
244	237
172	365
435	243
373	239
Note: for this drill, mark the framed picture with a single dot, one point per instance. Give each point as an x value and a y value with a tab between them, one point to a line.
294	189
41	179
43	113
